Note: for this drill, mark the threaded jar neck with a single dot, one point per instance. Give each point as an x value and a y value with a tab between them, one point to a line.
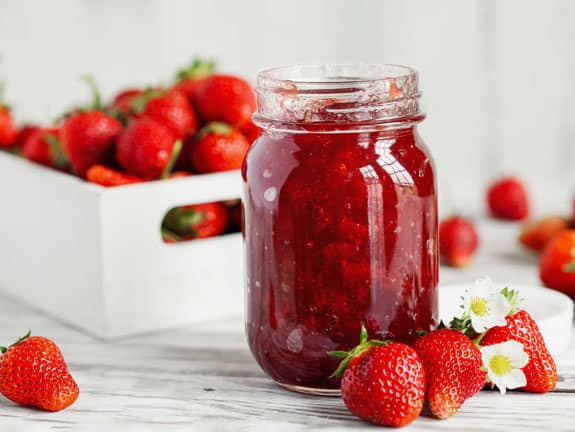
337	95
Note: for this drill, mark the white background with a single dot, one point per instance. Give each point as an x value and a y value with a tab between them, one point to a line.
498	76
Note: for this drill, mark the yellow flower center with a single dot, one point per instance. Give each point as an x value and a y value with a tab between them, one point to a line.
500	364
479	306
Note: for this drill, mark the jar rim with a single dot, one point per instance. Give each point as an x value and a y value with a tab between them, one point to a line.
337	94
333	73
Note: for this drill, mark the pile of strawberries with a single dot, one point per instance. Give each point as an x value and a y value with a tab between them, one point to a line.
200	124
389	383
553	237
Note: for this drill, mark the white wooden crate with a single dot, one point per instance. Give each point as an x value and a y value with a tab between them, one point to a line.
94	256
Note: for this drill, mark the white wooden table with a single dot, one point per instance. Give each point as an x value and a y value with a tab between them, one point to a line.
204	378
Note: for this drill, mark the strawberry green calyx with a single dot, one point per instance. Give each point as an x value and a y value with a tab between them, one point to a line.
348	356
180	220
215	127
3	349
138	104
176	150
569	268
463	324
513	299
169	235
198	69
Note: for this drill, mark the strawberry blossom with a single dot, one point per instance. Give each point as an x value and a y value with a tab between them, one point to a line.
503	363
485	306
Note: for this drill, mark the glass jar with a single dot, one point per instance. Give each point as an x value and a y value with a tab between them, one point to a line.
340	218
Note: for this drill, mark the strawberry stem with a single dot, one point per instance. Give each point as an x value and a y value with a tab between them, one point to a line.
479	338
96	96
3	349
176	149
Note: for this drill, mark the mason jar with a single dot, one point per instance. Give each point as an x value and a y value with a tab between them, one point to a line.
340	213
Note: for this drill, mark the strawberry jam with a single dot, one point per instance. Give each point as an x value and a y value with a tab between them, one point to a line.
340	218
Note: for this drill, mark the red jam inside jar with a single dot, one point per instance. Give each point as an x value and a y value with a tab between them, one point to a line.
340	218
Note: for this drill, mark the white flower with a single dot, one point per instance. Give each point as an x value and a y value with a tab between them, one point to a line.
486	306
503	362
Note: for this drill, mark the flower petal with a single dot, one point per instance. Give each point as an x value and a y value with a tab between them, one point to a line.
514	379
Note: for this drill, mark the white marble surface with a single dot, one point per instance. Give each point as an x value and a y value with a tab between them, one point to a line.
203	377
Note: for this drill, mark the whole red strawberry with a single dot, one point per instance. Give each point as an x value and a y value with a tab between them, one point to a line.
189	79
383	382
458	241
171	109
536	235
225	98
88	138
8	129
108	177
218	147
147	149
43	146
508	199
557	264
453	368
197	220
33	373
540	371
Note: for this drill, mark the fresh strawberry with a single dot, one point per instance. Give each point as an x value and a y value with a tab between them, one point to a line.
383	382
557	265
124	100
540	371
508	199
88	138
43	146
171	109
106	176
453	368
8	129
458	241
218	147
536	235
189	79
147	149
225	98
197	221
33	373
